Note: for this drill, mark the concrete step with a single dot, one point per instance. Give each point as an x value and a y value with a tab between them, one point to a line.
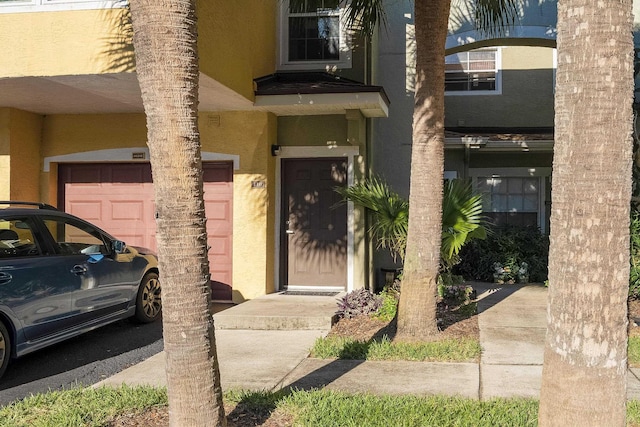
280	311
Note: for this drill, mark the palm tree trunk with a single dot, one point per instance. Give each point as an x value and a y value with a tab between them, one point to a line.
167	66
585	359
417	308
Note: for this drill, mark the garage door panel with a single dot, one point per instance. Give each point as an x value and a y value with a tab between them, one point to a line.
219	248
89	210
127	210
119	198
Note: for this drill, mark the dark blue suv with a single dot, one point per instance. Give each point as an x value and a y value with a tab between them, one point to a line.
61	276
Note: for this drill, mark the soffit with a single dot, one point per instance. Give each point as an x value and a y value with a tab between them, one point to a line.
101	94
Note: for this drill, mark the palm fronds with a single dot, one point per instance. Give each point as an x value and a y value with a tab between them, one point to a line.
390	212
461	215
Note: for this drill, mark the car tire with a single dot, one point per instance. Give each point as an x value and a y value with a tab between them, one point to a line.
148	301
5	348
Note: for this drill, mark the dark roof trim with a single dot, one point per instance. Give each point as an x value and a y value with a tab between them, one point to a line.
502	134
292	83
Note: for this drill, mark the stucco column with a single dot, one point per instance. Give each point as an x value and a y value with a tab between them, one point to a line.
20	137
356	135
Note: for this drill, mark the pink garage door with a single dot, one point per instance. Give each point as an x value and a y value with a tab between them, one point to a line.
118	197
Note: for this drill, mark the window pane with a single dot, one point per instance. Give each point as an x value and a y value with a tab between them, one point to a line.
297	50
17	239
471	71
75	239
314	49
515	185
499	203
314	38
531	203
510	200
499	185
531	186
482	81
515	203
297	29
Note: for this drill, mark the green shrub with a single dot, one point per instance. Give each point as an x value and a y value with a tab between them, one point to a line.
455	294
507	247
389	306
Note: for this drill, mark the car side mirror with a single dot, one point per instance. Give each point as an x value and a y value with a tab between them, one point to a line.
118	246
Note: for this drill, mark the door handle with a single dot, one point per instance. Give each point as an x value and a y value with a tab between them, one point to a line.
5	278
290	232
78	269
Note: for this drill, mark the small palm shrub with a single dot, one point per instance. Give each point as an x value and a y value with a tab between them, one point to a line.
358	302
462	219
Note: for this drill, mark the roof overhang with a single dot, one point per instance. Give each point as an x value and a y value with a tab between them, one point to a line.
494	140
101	94
369	103
299	94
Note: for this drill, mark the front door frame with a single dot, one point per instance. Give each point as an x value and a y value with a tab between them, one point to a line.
292	152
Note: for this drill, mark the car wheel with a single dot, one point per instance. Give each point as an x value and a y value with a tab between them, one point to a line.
5	348
148	302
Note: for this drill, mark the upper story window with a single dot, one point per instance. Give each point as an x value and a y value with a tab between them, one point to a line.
313	36
475	72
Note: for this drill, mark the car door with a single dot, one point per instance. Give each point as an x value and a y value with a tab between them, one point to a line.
88	285
32	281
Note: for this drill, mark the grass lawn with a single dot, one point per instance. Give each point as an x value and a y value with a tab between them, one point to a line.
634	351
447	350
99	407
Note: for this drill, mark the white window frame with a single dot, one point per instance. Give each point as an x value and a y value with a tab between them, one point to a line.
329	65
22	6
498	71
540	173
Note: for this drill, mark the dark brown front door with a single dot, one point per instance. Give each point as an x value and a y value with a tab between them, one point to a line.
315	224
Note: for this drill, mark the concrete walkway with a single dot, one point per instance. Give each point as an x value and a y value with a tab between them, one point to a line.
512	322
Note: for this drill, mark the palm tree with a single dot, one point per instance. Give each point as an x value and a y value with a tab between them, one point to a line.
462	218
417	307
167	68
585	359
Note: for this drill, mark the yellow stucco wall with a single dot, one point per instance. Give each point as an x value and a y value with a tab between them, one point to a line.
237	42
20	134
60	43
248	135
25	155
